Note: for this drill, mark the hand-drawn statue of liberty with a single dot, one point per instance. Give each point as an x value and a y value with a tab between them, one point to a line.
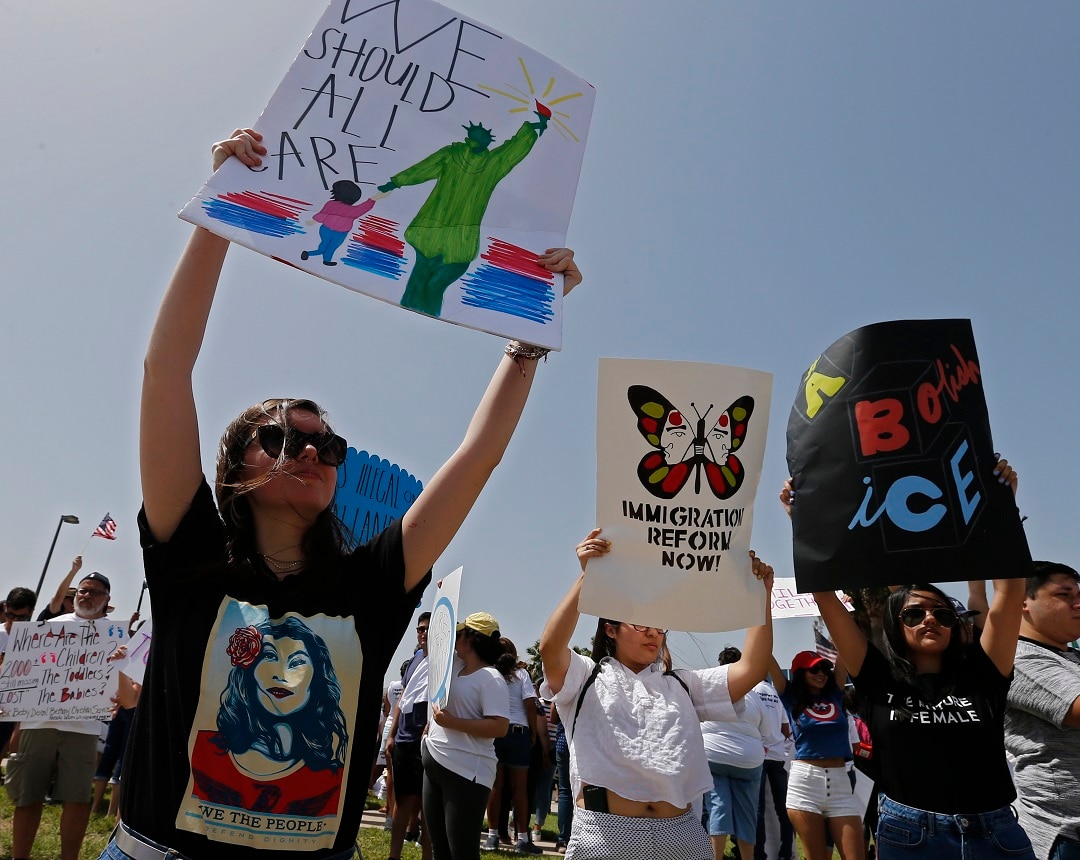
446	231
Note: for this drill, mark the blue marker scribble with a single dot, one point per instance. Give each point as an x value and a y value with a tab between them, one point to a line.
509	293
374	260
251	219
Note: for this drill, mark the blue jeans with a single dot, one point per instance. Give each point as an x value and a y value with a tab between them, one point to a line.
543	794
1065	850
906	832
566	796
731	807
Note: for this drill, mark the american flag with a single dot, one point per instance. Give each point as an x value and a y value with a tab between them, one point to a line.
106	528
822	643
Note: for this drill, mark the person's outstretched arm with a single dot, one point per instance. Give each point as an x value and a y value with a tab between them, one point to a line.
56	603
1002	626
433	520
170	461
555	640
845	633
776	675
753	666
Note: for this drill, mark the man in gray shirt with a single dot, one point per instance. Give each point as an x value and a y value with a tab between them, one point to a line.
1044	711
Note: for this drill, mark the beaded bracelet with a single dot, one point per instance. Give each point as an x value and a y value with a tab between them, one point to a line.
522	352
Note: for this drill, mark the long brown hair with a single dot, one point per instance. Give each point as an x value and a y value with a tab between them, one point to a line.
325	541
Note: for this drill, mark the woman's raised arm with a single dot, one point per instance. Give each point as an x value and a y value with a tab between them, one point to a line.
753	666
846	636
169	455
1002	625
555	640
433	520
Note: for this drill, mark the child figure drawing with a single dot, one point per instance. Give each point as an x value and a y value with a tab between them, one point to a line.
337	218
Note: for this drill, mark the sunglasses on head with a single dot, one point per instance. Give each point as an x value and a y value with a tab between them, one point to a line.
912	616
274	438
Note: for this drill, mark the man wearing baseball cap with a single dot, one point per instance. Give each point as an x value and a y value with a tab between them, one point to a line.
60	753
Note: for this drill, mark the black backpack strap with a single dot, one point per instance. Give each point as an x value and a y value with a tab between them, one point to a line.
581	697
682	683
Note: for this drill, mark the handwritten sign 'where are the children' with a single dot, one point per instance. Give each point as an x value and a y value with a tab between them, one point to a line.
60	670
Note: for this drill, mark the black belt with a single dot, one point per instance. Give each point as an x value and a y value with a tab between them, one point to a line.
519	730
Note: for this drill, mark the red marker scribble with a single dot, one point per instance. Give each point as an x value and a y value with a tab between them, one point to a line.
381	233
269	204
512	258
543	110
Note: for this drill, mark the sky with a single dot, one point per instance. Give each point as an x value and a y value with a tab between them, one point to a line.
759	180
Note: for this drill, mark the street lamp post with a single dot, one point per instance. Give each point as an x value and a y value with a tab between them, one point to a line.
66	518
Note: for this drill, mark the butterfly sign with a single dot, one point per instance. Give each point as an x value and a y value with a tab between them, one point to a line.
679	453
682	451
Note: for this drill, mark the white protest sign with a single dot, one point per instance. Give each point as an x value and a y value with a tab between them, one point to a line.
679	453
442	633
419	157
787	602
133	664
60	670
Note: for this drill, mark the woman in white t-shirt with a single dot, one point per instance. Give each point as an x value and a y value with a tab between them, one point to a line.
636	751
459	752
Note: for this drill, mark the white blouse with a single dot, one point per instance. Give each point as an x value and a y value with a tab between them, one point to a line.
639	734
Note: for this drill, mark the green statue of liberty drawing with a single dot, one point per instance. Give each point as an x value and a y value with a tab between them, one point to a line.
445	234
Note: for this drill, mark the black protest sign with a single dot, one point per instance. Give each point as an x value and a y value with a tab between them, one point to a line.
889	449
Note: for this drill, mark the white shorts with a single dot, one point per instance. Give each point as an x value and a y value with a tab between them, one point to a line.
824	790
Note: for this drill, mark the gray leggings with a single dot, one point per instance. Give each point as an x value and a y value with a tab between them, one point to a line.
454	810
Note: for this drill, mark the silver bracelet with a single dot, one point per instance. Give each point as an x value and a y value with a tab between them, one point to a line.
522	352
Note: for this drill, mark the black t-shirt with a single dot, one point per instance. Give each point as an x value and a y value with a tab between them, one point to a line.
941	753
256	728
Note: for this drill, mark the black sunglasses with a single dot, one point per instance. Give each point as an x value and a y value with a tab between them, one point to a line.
272	438
912	616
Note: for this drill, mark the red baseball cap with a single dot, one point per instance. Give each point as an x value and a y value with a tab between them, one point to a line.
807	660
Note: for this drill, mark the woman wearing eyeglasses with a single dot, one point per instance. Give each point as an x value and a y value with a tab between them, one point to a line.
637	760
270	550
820	796
932	703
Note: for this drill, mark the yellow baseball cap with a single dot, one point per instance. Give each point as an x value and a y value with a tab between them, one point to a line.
481	622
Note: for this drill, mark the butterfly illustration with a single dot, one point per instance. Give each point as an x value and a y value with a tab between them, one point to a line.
682	450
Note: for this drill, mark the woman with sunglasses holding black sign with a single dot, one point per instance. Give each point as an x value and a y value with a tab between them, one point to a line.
271	549
936	708
637	758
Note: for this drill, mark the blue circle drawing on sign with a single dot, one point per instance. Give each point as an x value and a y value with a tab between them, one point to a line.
442	633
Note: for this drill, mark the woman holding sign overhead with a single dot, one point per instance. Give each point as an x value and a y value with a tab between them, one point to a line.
271	550
637	759
930	699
